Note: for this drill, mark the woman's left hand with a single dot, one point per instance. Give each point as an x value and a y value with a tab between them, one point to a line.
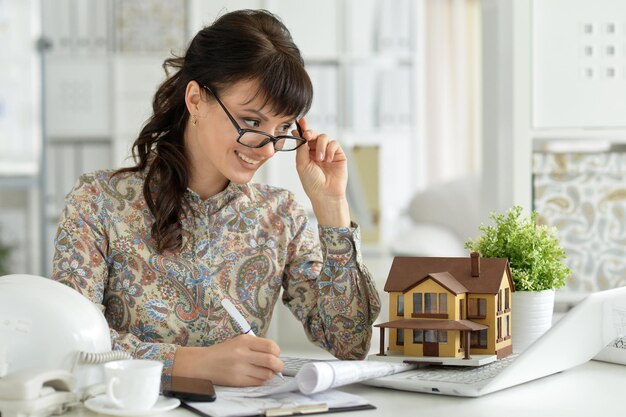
323	169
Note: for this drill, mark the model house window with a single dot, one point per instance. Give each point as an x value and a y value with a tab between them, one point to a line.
462	309
477	307
430	302
417	303
507	295
399	337
499	329
478	339
507	323
499	300
430	336
443	303
401	305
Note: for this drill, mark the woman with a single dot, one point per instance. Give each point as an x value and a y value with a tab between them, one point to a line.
160	244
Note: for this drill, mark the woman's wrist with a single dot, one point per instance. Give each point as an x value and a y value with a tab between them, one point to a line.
186	362
332	213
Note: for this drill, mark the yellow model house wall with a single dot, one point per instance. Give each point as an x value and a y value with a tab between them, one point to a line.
506	341
453	347
393	315
491	320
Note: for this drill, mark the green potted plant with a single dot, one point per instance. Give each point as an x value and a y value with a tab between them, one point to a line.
537	268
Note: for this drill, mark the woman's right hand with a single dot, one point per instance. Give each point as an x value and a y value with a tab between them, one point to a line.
239	362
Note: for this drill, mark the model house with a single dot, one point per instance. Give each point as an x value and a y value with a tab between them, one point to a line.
448	307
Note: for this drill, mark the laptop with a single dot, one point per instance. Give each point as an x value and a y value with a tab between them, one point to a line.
575	339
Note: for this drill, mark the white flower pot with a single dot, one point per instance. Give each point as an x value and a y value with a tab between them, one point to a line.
531	316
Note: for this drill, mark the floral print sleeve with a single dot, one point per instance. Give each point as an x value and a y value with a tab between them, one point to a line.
81	261
333	296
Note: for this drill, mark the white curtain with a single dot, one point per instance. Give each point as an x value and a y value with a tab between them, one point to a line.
451	90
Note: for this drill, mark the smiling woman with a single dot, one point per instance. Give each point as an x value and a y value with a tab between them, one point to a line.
161	244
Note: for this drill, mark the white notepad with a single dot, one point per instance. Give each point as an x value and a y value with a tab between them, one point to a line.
232	402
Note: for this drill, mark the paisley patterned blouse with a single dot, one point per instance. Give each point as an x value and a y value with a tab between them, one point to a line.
246	243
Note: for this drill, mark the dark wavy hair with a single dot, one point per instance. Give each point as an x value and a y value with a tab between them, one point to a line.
238	46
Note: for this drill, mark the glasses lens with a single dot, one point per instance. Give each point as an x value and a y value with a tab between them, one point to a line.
254	139
258	139
286	143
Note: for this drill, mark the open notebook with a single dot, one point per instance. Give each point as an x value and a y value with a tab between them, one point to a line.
310	390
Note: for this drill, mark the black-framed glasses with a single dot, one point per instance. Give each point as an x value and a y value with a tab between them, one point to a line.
257	139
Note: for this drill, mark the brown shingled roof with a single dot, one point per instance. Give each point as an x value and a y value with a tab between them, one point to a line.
406	272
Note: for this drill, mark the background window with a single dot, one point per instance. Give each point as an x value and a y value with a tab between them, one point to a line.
443	336
418	336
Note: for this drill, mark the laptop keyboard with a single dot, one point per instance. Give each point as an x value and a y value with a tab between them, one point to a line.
458	374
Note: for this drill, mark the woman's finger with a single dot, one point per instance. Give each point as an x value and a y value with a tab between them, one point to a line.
303	124
321	143
331	150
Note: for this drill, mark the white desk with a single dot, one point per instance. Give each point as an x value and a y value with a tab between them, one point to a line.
587	390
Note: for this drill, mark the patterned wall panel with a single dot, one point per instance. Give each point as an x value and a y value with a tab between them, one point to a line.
584	196
144	26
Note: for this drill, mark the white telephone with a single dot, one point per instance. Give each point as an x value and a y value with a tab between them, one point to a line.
37	392
51	342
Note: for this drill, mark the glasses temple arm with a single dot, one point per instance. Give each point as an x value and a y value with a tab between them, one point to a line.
299	128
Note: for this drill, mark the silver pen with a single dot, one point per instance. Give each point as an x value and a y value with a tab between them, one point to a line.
241	322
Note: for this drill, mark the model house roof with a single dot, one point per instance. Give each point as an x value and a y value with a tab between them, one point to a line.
407	272
445	279
461	325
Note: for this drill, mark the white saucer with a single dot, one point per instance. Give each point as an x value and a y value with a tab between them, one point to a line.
101	404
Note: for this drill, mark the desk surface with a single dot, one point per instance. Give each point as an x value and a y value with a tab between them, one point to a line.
587	390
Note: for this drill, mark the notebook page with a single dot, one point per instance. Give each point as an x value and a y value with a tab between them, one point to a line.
230	402
615	352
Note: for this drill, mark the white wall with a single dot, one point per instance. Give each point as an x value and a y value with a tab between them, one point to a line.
506	105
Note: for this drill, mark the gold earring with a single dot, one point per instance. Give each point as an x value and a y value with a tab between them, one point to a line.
194	121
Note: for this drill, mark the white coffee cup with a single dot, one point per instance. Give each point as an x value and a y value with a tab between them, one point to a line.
133	384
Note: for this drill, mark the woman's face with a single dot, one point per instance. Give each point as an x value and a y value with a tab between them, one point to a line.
212	144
